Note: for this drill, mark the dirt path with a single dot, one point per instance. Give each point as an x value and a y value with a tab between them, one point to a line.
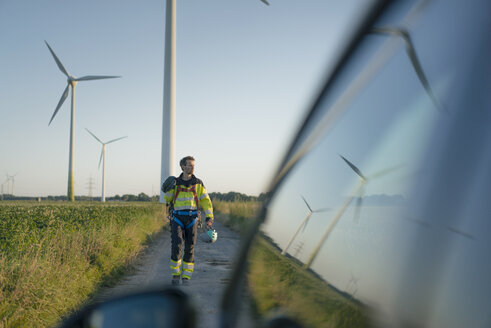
213	263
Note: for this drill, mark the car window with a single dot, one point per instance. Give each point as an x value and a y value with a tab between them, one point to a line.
366	213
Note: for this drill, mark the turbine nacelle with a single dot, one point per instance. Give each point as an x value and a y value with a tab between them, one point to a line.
72	81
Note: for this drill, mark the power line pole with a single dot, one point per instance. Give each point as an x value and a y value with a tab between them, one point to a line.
90	186
298	249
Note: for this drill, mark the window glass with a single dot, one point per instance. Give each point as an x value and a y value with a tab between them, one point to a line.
351	210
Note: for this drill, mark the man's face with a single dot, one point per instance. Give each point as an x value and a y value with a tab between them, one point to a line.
189	167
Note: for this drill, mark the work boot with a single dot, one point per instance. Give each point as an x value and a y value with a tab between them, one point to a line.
185	281
175	280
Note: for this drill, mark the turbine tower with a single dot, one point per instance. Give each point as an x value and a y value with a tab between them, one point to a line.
169	107
71	82
103	159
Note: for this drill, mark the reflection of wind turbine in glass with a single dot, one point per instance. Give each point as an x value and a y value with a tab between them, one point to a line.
303	223
358	192
103	159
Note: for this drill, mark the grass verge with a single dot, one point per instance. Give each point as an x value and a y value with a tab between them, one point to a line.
279	284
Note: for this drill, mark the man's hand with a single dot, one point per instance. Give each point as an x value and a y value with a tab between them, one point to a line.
209	224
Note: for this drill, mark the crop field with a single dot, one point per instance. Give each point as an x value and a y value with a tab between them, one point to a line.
236	215
54	256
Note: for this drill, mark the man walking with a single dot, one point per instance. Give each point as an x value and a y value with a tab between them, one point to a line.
186	196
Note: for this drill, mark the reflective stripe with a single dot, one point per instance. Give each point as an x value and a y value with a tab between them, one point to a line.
208	212
178	208
203	196
175	267
183	199
188	269
169	194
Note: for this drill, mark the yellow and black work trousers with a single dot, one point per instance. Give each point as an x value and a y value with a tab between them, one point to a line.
184	231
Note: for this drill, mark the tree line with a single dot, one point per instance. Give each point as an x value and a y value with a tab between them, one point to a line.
230	196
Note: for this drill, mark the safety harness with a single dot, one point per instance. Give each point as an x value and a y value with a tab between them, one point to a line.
189	213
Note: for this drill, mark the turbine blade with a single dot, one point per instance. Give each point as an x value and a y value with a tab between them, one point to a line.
94	135
58	62
100	160
94	77
62	100
411	52
354	168
265	2
308	206
116	139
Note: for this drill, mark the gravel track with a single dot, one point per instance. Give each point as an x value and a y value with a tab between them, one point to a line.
213	264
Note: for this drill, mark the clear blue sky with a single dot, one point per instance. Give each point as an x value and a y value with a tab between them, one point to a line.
246	73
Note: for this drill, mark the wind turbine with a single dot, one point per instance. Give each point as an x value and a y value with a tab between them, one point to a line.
71	82
103	159
358	192
3	183
303	223
169	101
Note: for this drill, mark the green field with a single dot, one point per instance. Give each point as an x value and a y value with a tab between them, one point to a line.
54	256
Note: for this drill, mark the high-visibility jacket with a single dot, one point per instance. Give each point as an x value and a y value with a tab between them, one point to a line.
188	193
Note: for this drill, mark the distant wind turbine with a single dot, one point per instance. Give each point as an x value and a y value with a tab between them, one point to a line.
169	101
303	224
103	159
4	183
71	82
358	192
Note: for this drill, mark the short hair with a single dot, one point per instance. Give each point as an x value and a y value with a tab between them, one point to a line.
183	161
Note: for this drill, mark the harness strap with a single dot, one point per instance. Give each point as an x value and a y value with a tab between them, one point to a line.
178	221
187	213
192	223
192	189
182	225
